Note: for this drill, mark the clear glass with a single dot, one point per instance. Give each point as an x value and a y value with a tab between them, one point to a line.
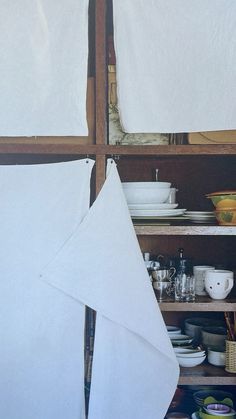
184	287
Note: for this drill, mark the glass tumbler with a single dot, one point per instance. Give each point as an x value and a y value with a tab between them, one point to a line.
184	287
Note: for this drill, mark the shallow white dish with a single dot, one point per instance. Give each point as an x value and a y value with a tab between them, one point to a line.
173	330
190	362
152	206
215	413
156	213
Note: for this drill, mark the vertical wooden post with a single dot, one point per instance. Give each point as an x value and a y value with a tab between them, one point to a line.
100	87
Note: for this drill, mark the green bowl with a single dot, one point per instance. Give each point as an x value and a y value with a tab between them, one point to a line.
223	200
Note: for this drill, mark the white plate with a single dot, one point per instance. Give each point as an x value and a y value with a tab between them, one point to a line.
180	339
152	206
173	330
156	213
200	213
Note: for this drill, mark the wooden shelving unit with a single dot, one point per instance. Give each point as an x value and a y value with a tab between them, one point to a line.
185	230
100	150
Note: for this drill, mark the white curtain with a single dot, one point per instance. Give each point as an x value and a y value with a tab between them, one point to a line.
135	371
41	329
43	71
176	64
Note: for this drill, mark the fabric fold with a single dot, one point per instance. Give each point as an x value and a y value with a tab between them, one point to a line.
101	266
175	65
41	329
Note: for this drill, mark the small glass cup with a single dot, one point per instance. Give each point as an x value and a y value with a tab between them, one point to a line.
162	290
184	287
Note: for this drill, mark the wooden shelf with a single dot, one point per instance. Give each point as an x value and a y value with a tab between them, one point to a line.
72	145
200	304
163	150
206	374
190	230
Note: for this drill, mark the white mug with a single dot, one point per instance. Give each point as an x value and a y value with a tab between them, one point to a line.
199	273
219	283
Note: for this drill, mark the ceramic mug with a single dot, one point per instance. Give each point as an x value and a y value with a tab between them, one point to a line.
199	273
219	283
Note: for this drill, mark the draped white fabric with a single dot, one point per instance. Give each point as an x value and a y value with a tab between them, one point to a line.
176	64
135	371
43	71
41	329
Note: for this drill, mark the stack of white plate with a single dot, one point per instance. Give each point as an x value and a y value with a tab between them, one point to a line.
155	210
179	339
204	217
189	357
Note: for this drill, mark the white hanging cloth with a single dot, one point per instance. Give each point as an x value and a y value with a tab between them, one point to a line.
135	371
176	64
41	329
43	72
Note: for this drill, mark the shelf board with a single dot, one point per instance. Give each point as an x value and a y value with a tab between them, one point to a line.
200	304
181	230
74	145
206	374
163	150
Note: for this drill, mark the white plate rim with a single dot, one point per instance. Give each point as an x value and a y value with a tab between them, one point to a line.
157	213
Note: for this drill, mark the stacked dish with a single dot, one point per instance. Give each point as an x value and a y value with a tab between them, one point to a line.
214	404
219	410
193	326
201	216
189	357
149	200
179	339
203	396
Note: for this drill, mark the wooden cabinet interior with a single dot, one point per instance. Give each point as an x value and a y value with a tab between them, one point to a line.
194	170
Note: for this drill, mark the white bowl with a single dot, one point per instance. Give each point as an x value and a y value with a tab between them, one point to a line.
190	362
143	195
216	357
152	185
189	353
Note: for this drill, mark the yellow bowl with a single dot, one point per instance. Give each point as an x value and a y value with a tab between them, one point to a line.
223	199
226	216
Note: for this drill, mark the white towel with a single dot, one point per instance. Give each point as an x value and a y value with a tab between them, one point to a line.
135	371
176	64
43	71
41	329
